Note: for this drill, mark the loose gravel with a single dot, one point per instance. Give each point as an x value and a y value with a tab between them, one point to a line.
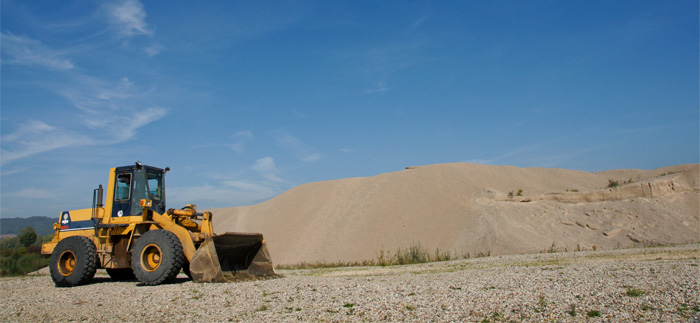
631	285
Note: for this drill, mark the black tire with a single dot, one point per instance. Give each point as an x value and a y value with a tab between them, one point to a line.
121	274
73	262
157	257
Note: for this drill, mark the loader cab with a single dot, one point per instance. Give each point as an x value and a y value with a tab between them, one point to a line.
136	182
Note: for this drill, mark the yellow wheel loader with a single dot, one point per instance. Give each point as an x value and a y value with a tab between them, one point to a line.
133	235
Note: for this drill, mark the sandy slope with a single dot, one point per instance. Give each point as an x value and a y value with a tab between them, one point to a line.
466	209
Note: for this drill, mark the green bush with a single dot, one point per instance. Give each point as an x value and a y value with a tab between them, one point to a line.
415	254
21	263
27	236
22	254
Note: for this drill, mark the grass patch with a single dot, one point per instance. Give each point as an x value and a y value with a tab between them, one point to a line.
415	254
545	262
593	313
541	304
684	310
197	294
633	292
514	193
324	264
681	252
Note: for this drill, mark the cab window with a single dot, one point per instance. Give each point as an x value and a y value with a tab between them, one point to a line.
123	187
155	186
140	192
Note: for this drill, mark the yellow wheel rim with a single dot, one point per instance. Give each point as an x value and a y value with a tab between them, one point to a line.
66	263
151	257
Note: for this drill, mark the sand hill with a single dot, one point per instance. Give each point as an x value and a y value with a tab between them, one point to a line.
470	209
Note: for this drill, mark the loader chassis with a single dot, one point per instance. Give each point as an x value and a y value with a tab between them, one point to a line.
133	235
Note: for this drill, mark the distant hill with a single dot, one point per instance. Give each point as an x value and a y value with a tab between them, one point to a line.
41	224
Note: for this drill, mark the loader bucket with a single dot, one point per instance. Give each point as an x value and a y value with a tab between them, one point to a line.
231	257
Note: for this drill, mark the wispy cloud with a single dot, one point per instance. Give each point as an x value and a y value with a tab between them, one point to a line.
312	158
239	142
379	63
244	188
129	17
108	117
265	164
34	193
296	147
34	137
419	22
241	139
545	153
154	49
268	170
380	88
225	194
91	94
22	50
108	111
111	105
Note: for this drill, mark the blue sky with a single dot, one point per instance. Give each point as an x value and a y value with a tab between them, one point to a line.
244	100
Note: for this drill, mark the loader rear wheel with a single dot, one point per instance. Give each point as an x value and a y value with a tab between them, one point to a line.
73	262
120	274
157	257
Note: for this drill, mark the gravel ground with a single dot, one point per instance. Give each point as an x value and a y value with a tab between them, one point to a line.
631	285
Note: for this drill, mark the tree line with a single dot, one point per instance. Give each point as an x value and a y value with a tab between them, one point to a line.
22	254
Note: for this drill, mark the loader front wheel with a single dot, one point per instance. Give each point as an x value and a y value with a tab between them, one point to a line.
157	257
73	262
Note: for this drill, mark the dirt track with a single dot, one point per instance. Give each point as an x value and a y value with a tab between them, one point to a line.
651	284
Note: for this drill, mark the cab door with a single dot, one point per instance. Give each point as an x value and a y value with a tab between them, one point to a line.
122	194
